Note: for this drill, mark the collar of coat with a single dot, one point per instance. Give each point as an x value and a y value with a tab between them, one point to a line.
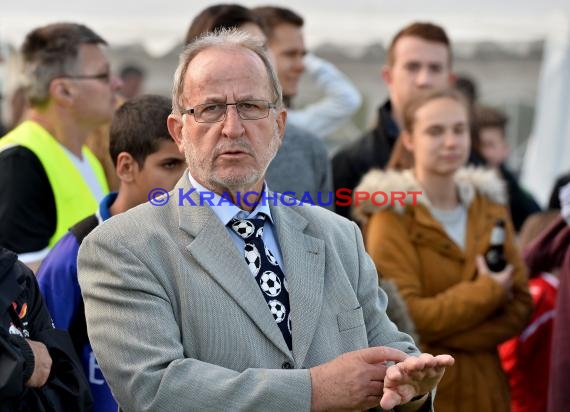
469	181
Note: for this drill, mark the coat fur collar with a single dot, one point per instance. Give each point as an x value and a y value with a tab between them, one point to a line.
469	181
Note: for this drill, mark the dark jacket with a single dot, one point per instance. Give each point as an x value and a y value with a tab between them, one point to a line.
372	150
521	203
24	315
550	251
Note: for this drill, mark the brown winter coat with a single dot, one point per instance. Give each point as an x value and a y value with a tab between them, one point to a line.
455	310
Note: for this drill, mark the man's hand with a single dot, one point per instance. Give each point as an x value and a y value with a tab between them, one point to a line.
503	278
42	366
352	380
412	377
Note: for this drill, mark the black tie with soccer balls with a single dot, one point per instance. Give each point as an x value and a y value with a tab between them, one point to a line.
265	268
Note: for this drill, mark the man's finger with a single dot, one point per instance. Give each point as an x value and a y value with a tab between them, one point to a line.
445	360
381	354
394	374
412	364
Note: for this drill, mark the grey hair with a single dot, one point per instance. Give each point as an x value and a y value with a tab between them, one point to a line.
52	51
228	39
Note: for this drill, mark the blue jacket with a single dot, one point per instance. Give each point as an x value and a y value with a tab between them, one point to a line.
57	278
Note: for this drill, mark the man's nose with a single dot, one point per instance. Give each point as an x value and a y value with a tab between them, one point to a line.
232	124
424	79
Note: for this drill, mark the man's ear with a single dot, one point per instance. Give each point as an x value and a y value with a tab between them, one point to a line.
61	92
452	78
127	167
174	123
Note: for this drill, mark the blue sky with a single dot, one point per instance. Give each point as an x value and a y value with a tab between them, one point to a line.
158	25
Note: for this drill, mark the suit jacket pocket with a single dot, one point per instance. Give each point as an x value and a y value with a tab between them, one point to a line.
350	319
352	330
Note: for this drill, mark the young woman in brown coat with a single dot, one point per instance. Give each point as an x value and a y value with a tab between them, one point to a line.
431	248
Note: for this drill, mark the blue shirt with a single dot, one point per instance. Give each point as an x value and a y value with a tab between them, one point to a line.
226	212
57	278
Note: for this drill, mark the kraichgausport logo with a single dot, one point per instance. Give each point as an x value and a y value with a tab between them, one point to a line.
341	197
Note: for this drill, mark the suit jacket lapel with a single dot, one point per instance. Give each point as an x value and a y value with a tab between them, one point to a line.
304	261
213	248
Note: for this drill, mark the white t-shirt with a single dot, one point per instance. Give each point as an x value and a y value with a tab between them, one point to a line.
454	222
84	167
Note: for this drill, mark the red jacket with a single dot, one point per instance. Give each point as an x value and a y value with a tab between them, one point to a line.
526	358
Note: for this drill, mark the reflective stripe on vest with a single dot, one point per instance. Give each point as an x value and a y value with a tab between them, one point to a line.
74	200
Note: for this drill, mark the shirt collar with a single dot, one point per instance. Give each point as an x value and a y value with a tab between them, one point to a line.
225	211
103	213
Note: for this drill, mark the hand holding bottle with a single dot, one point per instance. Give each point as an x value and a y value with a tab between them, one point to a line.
503	278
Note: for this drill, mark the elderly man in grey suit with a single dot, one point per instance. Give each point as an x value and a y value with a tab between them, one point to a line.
195	306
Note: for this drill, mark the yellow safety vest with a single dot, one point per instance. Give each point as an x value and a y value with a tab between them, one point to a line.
74	200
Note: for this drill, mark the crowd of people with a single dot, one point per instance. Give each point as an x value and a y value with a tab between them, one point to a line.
121	288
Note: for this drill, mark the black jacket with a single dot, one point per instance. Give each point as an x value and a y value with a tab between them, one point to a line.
521	203
24	315
371	151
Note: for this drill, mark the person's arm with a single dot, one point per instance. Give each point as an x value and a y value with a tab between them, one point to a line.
458	308
27	205
137	341
507	322
341	99
16	365
67	382
23	363
57	279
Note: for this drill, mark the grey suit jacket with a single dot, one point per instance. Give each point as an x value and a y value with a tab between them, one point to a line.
301	166
178	323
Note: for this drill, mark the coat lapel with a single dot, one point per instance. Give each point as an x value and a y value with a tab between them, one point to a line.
214	250
304	261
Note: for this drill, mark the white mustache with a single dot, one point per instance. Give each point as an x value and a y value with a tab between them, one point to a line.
239	145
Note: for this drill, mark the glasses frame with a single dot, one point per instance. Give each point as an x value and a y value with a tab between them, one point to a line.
192	110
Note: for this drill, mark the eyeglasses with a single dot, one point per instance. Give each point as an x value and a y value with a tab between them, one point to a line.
105	77
216	112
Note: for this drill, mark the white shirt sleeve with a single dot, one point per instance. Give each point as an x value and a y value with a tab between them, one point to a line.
340	102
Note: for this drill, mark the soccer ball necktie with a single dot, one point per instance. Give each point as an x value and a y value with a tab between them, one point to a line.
267	272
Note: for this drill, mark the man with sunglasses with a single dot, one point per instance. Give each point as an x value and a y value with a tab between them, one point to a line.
241	305
48	178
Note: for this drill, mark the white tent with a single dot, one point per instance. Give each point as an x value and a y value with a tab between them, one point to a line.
548	152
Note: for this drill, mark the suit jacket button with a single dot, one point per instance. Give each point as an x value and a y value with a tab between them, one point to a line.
286	365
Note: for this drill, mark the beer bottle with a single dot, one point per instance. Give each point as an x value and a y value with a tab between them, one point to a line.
495	255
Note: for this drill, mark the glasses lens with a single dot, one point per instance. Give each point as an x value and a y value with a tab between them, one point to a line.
209	112
216	112
253	109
